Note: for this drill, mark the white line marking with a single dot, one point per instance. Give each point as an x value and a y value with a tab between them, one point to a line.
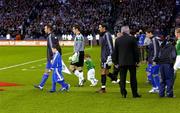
24	69
4	68
32	67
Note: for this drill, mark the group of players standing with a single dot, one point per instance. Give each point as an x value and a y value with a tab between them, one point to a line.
124	55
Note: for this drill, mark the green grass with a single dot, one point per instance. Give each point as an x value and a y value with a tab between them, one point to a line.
26	99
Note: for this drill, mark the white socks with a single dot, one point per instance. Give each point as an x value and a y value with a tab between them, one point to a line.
80	76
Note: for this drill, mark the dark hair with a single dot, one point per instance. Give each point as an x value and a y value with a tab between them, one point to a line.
104	25
87	56
149	30
76	26
50	26
177	30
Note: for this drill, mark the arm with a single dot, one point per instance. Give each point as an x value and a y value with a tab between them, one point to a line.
115	53
56	62
110	44
55	43
136	50
156	49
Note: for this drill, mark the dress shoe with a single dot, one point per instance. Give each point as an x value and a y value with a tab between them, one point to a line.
124	94
101	91
137	96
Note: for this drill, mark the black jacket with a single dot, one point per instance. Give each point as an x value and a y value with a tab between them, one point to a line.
126	51
52	41
167	53
106	46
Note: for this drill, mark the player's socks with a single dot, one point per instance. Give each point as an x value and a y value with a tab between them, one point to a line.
110	75
81	78
103	81
63	83
44	79
53	86
76	72
64	86
103	87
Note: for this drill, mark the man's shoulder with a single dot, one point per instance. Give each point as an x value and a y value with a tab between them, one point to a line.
107	33
79	37
53	36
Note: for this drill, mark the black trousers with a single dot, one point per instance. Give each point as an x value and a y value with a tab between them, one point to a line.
123	73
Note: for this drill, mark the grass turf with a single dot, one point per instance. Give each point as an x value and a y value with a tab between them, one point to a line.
26	99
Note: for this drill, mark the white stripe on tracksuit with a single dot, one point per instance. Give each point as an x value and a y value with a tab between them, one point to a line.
50	40
60	78
54	57
109	44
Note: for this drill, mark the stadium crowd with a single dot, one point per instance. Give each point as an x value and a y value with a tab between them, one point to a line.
27	18
143	14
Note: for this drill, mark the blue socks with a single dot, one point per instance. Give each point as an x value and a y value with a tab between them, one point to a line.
63	83
53	86
44	79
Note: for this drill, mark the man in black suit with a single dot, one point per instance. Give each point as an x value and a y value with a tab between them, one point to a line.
126	57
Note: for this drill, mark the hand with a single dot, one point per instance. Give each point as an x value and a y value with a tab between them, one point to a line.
109	61
85	60
116	66
137	64
50	70
70	58
75	54
154	63
75	58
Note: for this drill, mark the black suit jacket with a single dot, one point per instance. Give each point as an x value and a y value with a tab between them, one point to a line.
126	51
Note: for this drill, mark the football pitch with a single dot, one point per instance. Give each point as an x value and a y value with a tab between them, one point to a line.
25	66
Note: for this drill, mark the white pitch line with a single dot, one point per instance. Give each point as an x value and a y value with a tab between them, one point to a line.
32	67
4	68
23	69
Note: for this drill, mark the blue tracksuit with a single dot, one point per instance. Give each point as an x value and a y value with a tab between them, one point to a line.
167	56
57	67
153	51
57	76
